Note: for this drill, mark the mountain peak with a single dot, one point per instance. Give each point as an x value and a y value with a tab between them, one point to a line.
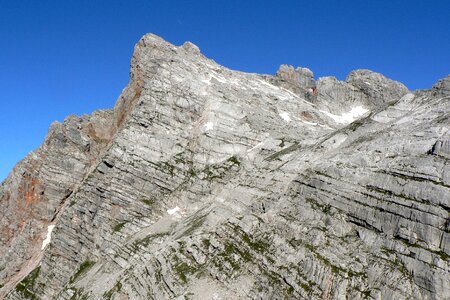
205	183
443	86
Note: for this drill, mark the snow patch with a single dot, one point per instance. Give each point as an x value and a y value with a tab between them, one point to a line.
289	92
324	126
208	126
255	147
285	116
268	84
49	236
220	78
207	81
173	210
348	117
310	123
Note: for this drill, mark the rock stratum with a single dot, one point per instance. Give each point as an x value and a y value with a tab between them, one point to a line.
208	183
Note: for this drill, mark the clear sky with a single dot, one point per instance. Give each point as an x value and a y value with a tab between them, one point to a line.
72	57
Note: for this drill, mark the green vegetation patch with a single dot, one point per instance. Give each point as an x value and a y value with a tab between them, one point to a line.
182	269
149	202
218	171
78	295
335	269
119	226
234	160
325	208
27	284
116	288
366	294
260	245
194	224
166	167
145	241
443	255
84	267
206	243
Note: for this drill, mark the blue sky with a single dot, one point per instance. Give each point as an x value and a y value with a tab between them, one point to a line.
72	57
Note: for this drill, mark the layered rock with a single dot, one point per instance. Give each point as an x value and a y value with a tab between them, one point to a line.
215	183
379	89
299	80
39	186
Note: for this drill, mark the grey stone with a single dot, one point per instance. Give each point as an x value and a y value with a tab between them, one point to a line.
207	183
377	87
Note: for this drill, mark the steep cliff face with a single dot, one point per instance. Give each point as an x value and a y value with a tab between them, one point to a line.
210	183
38	187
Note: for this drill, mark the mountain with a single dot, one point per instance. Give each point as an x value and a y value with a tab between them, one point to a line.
208	183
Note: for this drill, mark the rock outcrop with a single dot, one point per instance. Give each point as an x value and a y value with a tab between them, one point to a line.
207	183
378	89
39	186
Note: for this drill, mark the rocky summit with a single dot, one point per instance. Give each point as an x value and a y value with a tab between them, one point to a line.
208	183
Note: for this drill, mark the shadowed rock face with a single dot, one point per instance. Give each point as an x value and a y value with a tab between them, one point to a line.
209	183
378	89
442	87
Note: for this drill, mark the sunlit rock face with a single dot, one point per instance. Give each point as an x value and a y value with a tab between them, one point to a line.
208	183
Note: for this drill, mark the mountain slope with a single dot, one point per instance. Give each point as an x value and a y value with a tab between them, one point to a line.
209	183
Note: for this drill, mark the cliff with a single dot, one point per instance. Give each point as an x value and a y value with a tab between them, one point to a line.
208	183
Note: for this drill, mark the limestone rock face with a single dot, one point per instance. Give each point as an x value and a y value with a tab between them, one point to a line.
377	87
302	77
337	96
299	80
441	147
38	188
207	183
442	87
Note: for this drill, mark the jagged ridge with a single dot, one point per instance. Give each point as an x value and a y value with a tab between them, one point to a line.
205	182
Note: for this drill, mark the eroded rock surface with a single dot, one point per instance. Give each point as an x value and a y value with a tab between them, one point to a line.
38	187
207	183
